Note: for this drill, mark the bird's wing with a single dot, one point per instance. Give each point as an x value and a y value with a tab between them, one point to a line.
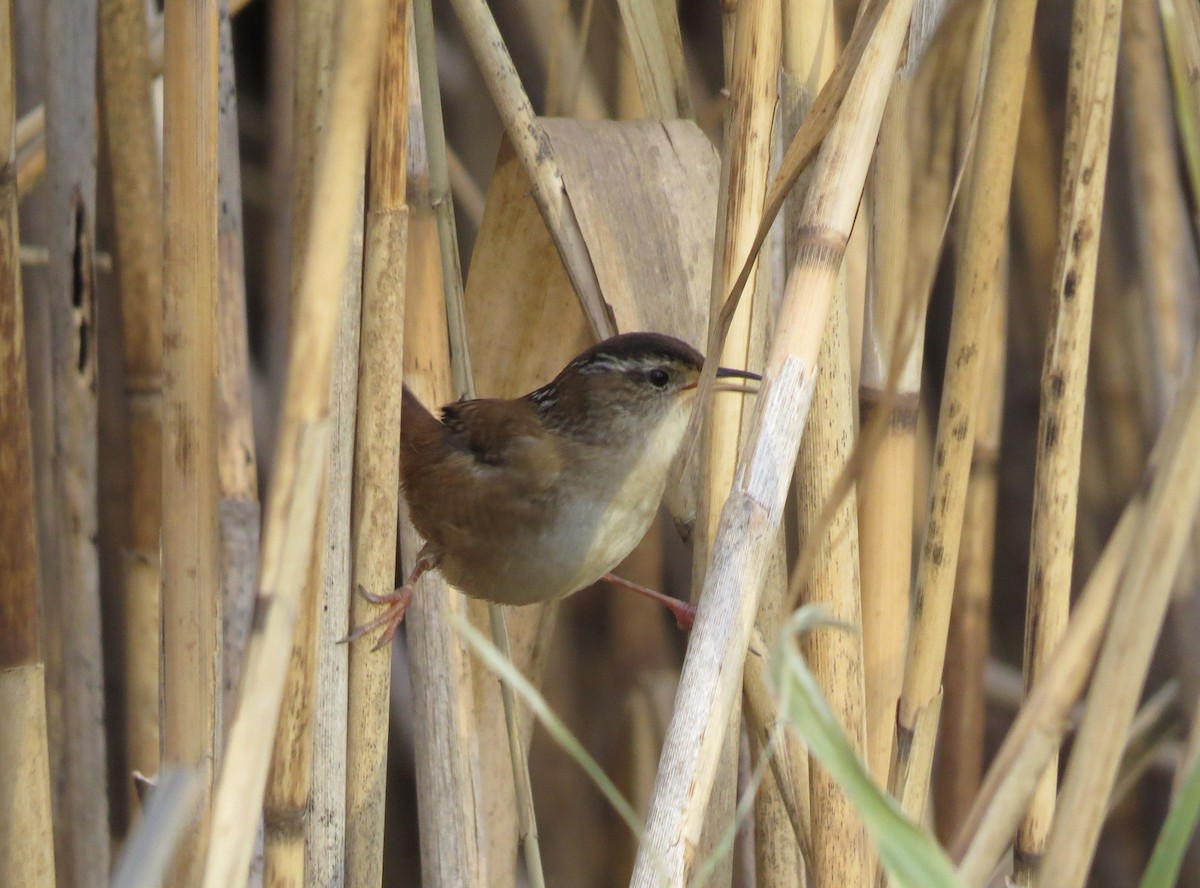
486	462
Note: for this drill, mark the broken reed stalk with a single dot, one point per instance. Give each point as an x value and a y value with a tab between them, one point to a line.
1093	68
1168	264
191	599
750	520
377	453
885	486
464	386
303	442
987	212
60	325
445	744
27	840
532	147
1133	579
745	172
128	124
237	462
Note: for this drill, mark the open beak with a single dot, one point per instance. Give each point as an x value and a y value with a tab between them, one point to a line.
729	373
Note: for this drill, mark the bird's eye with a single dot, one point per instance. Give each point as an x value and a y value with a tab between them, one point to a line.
658	378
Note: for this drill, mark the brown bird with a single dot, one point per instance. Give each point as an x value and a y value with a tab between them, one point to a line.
531	499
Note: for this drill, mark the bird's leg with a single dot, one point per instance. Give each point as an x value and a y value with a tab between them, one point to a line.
397	603
684	613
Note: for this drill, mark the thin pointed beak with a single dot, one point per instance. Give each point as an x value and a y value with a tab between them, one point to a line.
729	373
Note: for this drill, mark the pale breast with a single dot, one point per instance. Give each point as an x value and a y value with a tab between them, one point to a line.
591	528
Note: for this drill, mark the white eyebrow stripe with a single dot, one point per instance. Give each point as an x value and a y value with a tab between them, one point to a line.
602	363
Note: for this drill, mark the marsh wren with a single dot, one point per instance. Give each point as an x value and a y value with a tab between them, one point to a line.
528	500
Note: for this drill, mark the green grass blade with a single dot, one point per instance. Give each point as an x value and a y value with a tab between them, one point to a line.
1163	869
508	673
911	857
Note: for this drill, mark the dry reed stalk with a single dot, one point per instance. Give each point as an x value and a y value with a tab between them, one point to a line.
572	89
288	798
964	708
27	840
529	141
1169	269
1121	667
987	214
1134	574
451	827
1035	180
377	452
656	47
1036	734
464	385
840	852
303	442
127	117
751	517
61	348
466	191
788	761
745	170
325	817
191	600
289	780
1094	40
891	323
237	464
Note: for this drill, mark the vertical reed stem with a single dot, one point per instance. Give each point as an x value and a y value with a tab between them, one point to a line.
987	214
27	838
127	115
1094	38
190	548
377	452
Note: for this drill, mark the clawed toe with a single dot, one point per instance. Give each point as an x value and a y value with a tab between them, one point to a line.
390	619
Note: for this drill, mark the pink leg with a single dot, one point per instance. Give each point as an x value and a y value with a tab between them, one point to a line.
397	605
685	614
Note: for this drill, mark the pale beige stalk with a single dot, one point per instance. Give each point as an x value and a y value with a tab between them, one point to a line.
127	117
1036	734
656	47
750	520
449	805
377	453
192	649
288	797
987	214
61	347
27	840
303	442
1135	574
956	781
745	168
536	156
1095	32
894	320
1169	270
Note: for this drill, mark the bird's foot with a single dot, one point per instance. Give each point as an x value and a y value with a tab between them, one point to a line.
684	613
397	605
